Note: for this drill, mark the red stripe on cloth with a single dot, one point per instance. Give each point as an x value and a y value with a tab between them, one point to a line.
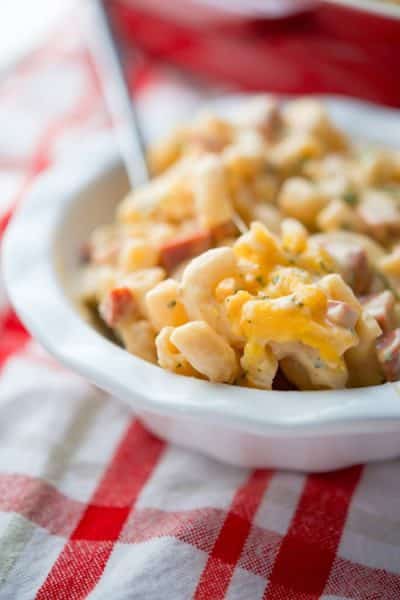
308	550
81	563
351	580
13	163
101	523
217	574
141	72
39	502
11	324
13	336
44	505
198	527
47	507
4	221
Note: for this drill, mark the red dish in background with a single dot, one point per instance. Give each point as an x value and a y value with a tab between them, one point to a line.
334	48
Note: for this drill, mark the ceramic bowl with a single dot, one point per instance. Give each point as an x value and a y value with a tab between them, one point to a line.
308	431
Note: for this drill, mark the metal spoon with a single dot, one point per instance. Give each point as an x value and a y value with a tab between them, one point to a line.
119	101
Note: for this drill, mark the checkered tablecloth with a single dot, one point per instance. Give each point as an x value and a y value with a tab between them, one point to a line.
91	504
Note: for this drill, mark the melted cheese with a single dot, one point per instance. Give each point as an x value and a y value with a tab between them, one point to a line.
284	321
259	246
282	301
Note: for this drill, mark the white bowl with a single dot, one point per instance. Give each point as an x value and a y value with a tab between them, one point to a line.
214	12
313	431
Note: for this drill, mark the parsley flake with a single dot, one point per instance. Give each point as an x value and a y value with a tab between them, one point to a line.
323	266
350	198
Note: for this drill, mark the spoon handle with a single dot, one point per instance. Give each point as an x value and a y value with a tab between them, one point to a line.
119	102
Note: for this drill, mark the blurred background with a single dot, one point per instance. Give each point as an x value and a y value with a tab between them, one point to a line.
349	47
25	24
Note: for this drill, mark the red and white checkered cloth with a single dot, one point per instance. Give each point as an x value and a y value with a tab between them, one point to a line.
91	504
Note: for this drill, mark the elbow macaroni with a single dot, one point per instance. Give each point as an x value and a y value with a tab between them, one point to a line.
289	294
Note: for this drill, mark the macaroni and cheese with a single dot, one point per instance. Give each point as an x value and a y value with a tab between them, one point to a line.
308	295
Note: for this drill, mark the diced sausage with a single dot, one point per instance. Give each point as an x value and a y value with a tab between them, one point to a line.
206	142
341	314
269	120
85	253
353	264
358	270
263	114
118	304
223	231
388	352
175	251
281	382
381	307
272	124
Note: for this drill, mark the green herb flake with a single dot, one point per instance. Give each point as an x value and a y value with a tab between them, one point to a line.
260	280
275	279
388	356
323	266
171	303
179	366
350	198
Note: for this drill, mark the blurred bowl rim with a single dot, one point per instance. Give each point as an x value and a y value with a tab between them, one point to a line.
376	7
222	10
